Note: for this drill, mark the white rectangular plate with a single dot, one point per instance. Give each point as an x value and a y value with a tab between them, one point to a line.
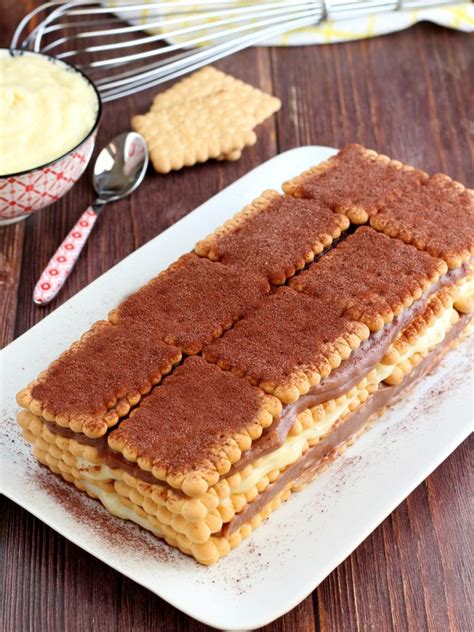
286	558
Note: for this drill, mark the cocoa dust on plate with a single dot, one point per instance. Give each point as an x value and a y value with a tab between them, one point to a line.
114	532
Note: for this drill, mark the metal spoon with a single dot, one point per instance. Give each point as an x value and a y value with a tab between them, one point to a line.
119	169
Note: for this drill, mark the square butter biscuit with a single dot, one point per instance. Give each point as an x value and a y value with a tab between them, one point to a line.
371	277
209	81
276	235
193	427
354	182
288	343
185	134
434	213
436	216
100	377
193	301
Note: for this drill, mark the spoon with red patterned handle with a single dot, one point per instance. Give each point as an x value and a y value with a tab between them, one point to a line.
119	169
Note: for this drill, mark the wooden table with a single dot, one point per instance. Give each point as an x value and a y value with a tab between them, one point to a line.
407	95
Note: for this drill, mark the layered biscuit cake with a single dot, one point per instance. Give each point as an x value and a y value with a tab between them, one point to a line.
232	378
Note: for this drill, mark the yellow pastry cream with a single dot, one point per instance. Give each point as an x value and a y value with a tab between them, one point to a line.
46	109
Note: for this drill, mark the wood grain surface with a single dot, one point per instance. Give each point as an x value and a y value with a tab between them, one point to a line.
409	95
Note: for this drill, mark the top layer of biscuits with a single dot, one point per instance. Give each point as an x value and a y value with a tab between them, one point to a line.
193	301
275	235
268	344
370	277
435	213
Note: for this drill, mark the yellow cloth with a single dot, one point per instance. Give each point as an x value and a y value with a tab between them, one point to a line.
459	17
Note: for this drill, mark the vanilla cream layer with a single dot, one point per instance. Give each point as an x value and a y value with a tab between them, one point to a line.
95	472
113	504
464	294
292	449
46	109
432	337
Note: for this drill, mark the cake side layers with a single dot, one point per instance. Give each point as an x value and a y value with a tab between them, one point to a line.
234	492
348	428
222	540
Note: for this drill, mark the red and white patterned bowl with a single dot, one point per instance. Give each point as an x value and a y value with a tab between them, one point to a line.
29	191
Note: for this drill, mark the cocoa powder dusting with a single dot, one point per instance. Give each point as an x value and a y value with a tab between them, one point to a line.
274	239
368	272
114	532
355	180
195	409
109	360
193	301
431	212
437	215
288	332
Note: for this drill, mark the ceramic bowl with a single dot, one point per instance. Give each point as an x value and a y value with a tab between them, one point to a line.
27	192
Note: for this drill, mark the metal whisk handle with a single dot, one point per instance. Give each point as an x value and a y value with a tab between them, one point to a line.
182	35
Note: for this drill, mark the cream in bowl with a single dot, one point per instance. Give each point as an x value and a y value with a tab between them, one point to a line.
49	113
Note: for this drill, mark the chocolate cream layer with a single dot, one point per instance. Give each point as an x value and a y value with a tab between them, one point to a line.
344	430
350	373
361	362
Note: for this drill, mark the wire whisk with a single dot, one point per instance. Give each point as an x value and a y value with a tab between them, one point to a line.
126	47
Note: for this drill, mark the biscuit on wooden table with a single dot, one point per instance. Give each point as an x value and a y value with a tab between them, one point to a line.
185	134
209	81
207	115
